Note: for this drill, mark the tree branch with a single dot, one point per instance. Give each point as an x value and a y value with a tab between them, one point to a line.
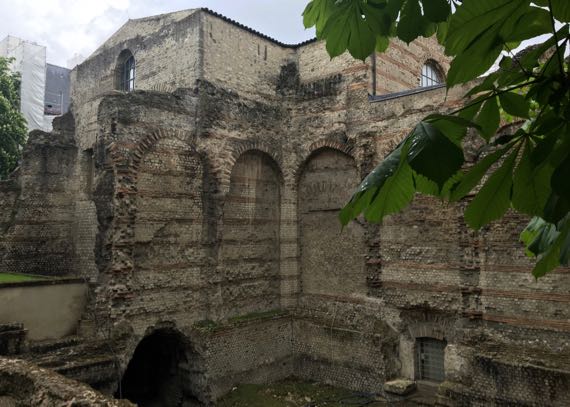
560	65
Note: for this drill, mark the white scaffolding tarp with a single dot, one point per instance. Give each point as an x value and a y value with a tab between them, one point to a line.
30	61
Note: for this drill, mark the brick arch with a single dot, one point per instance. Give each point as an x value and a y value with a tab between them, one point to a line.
125	161
329	263
249	248
440	330
315	148
167	339
143	146
242	149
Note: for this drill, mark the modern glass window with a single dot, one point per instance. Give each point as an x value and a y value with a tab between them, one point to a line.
430	75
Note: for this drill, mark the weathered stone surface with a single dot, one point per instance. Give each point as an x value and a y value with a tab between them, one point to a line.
23	384
205	203
401	387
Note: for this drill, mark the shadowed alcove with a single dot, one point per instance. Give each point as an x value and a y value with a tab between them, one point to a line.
159	372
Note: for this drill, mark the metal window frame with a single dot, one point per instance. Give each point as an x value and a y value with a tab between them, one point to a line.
430	75
430	359
128	74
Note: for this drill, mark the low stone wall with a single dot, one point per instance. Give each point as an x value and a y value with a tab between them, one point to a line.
250	350
24	384
48	309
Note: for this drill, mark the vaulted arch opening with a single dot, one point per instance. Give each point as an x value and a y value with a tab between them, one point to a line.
250	249
160	372
331	260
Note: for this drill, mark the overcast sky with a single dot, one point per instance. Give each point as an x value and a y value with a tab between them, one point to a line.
68	27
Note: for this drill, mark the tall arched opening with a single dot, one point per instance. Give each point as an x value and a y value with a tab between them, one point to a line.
331	260
250	250
160	372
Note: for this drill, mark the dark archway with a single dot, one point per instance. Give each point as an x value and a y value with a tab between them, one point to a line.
157	374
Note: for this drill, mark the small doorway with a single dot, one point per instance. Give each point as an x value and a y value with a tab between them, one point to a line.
430	355
157	374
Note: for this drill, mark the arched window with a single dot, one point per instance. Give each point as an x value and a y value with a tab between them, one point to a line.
126	71
431	75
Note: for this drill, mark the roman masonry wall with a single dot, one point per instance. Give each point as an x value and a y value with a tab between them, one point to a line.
203	210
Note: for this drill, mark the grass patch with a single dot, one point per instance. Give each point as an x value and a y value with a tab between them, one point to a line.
6	278
295	393
206	325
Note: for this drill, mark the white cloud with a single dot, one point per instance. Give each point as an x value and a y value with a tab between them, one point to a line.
68	27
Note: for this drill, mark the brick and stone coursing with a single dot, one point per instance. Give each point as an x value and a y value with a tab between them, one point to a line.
206	203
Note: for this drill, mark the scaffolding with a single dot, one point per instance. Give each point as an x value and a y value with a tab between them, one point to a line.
30	62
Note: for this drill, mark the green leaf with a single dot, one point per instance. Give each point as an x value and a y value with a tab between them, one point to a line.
556	208
494	198
394	196
542	241
336	33
489	118
515	104
362	40
530	185
317	13
476	60
442	32
371	185
473	176
432	154
533	23
565	249
475	17
561	10
530	232
382	43
560	180
436	11
412	23
553	255
488	83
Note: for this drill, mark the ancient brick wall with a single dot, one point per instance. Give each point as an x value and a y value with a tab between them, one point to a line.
217	204
399	68
167	53
38	236
241	61
249	251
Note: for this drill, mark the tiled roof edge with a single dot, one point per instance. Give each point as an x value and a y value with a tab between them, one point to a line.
255	32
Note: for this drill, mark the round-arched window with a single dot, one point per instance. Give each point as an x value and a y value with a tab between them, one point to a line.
431	75
126	71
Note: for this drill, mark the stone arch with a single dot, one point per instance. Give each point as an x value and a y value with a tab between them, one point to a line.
250	239
169	233
331	262
314	149
164	369
241	149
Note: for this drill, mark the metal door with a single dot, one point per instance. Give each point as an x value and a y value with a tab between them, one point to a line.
429	357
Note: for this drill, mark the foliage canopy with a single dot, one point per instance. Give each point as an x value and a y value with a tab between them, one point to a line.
531	167
12	123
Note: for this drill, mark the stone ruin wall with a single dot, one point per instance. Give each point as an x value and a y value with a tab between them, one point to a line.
163	196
